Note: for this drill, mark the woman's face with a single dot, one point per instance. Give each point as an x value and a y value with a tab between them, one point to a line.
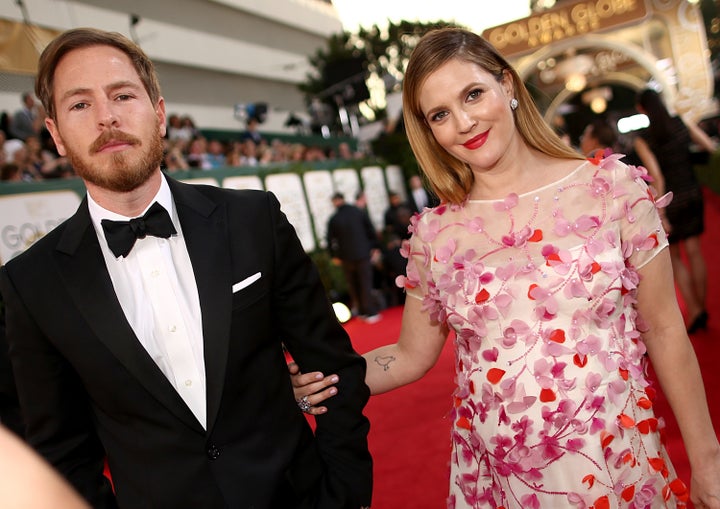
469	113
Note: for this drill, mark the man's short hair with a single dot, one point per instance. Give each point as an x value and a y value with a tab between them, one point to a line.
603	132
79	38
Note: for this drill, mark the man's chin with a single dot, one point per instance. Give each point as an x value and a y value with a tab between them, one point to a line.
118	180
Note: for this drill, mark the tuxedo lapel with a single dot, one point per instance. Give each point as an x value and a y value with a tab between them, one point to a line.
205	228
85	275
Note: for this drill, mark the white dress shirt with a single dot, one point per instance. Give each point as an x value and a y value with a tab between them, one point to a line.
420	197
156	287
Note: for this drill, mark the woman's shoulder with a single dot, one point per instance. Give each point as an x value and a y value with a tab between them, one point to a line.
612	168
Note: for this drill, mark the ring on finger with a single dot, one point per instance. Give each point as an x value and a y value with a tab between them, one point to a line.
304	404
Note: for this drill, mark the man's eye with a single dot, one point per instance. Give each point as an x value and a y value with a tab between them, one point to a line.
78	106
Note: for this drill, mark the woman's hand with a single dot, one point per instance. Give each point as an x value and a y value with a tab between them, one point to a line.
705	483
312	388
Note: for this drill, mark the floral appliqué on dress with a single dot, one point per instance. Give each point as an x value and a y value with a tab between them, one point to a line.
552	407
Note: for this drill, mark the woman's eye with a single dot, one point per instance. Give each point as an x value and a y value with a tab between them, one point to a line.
474	94
438	116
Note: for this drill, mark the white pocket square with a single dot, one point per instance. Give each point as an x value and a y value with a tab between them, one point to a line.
246	282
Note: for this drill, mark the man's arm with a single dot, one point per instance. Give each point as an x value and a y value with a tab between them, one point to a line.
313	336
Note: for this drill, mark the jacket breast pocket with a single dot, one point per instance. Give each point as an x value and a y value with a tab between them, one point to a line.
249	291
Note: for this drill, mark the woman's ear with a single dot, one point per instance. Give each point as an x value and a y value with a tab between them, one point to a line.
508	84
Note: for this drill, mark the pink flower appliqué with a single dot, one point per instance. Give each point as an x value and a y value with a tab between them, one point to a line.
508	203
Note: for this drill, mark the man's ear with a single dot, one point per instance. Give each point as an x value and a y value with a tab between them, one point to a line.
55	133
162	118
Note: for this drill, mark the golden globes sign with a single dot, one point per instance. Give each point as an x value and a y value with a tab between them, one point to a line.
553	25
24	218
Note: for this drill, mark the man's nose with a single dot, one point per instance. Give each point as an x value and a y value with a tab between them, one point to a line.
106	114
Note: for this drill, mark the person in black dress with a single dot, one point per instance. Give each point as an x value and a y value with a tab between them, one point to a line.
664	149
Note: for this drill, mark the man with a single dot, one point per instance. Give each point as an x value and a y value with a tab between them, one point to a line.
421	198
598	135
25	121
353	243
165	354
397	216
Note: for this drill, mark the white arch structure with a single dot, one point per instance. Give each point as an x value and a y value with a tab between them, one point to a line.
528	64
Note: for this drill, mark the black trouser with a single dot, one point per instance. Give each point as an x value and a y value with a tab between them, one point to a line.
359	279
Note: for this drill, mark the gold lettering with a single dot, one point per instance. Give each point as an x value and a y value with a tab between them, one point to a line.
560	20
578	18
580	14
605	9
515	33
497	39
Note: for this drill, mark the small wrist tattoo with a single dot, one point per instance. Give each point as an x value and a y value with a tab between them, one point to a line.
385	361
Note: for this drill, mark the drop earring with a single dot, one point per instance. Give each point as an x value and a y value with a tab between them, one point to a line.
513	104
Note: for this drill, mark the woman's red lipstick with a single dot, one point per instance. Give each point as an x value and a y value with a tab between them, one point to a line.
476	141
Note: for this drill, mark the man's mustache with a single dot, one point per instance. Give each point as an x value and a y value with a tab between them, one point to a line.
113	135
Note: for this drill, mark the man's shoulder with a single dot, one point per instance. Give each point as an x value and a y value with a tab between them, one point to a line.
217	194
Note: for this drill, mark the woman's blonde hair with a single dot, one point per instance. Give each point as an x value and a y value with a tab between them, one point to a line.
450	178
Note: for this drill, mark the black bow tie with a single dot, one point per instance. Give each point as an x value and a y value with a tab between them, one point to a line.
121	235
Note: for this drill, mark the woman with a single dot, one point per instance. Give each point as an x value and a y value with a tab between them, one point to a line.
664	149
533	261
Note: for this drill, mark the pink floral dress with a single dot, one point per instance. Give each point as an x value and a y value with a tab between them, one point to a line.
552	407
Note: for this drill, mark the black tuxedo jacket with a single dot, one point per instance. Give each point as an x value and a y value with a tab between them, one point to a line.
89	389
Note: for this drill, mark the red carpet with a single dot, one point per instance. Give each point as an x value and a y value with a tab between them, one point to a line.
410	434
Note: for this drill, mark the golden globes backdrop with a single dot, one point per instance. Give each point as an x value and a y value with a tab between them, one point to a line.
347	182
319	191
24	218
289	191
243	182
376	194
396	181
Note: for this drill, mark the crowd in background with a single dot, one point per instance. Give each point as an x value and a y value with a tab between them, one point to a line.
28	153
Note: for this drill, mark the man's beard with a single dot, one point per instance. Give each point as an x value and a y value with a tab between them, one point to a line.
124	173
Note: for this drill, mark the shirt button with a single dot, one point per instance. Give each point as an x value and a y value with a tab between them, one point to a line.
213	452
155	273
172	328
188	383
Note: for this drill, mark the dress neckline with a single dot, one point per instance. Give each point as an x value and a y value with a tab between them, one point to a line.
536	190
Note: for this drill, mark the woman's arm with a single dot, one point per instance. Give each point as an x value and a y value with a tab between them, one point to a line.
416	351
678	373
389	366
701	138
